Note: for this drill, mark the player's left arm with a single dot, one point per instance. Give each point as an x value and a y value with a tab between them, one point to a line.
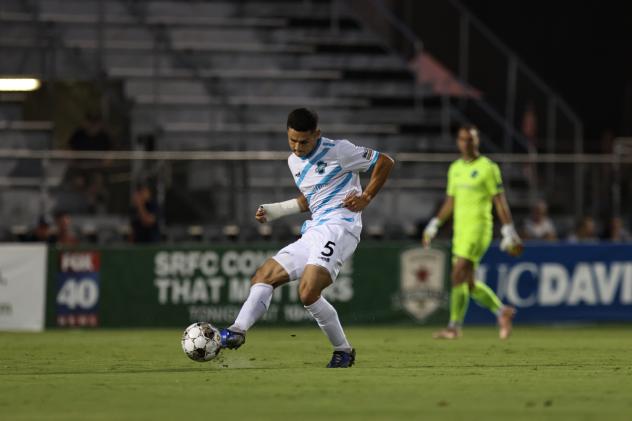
511	242
502	209
380	174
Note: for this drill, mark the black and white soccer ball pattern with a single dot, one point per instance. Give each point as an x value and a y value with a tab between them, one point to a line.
201	341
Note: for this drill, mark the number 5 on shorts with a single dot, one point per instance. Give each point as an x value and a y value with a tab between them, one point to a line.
330	249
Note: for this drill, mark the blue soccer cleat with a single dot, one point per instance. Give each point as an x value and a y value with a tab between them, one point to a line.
342	359
231	339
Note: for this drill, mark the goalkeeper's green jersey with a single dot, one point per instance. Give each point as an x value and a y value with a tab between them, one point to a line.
473	185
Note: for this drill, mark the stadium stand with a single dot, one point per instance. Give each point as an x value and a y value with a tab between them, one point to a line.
222	75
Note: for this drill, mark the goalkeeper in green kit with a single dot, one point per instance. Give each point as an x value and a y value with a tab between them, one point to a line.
474	183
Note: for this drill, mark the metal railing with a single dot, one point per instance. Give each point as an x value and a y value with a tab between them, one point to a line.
520	77
469	26
496	111
414	157
500	114
416	175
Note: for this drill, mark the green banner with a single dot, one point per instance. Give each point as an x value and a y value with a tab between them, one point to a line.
173	286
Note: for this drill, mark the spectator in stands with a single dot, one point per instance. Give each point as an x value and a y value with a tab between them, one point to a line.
41	233
64	235
530	126
584	231
530	132
539	226
91	135
88	176
615	231
145	218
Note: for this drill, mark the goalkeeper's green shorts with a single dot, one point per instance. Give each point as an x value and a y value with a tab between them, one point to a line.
471	244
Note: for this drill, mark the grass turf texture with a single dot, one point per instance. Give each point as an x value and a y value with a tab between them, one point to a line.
541	373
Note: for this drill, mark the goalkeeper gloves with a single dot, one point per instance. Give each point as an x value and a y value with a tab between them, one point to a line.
431	230
510	242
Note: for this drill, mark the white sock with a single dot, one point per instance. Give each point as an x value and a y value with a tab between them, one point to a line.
327	318
454	325
253	308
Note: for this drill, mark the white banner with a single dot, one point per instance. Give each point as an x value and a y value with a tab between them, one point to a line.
22	286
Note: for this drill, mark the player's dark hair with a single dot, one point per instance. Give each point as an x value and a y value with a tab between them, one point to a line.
468	127
471	129
302	120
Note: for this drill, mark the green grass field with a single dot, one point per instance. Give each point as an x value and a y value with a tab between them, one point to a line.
541	373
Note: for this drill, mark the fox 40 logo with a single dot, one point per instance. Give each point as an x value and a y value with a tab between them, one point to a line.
422	289
77	299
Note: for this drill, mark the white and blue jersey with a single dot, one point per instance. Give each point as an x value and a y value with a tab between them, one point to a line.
327	176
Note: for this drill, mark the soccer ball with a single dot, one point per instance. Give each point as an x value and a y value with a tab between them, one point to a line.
201	341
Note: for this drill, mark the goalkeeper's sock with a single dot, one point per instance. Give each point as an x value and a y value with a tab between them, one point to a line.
327	318
253	308
485	297
459	300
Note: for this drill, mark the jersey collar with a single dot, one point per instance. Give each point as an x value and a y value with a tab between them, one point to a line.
316	146
471	161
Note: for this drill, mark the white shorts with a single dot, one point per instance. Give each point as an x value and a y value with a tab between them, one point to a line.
323	245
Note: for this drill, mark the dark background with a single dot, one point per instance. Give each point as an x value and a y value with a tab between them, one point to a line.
581	49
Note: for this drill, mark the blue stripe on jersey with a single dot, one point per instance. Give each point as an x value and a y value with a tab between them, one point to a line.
323	182
310	164
336	190
373	161
331	210
313	151
329	144
326	211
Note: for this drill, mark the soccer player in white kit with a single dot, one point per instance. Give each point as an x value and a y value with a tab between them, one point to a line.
327	174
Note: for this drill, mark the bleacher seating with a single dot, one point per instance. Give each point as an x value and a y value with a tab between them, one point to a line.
218	75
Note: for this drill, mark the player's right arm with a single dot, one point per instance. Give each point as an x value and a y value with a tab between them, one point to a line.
271	211
435	223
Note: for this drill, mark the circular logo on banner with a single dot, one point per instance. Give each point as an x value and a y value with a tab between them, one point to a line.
422	281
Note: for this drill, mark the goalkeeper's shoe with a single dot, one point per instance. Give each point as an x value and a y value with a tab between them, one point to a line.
505	321
231	339
447	333
342	359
